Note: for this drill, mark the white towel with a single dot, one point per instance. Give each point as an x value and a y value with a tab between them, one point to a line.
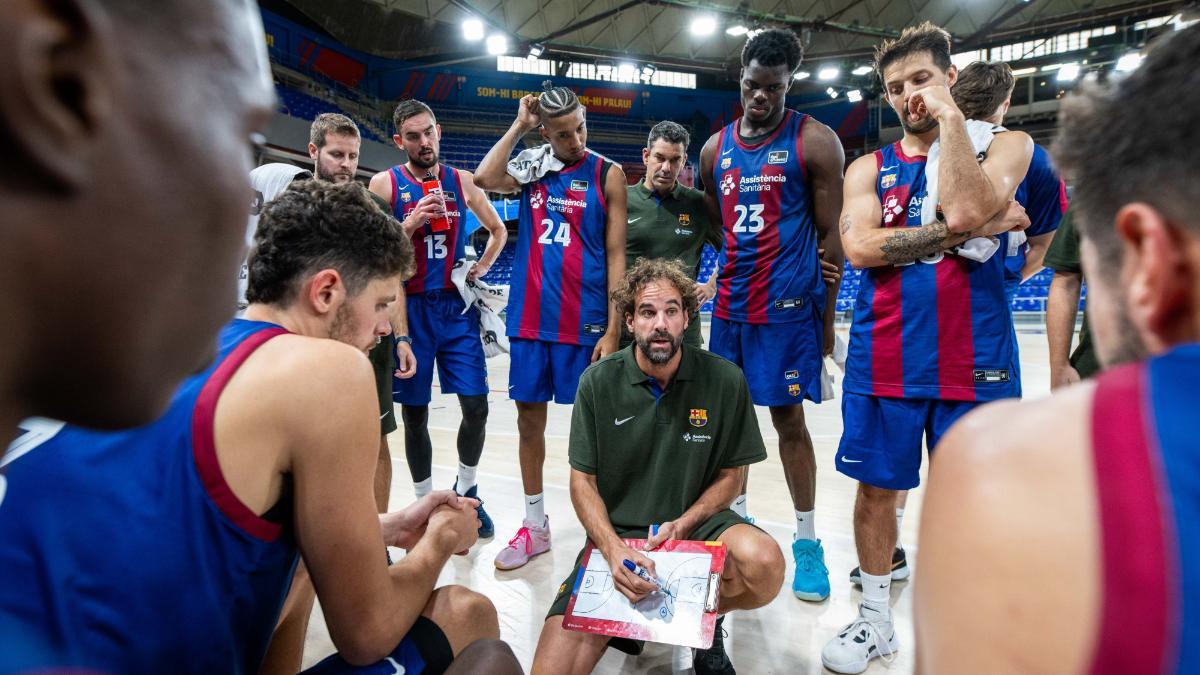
268	181
981	134
489	300
533	163
839	359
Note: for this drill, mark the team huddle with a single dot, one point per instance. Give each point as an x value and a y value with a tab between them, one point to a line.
200	540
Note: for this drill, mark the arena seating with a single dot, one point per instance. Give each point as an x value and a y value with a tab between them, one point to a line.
304	106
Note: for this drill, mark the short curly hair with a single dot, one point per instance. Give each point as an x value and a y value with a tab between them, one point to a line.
924	37
982	87
773	47
648	270
316	225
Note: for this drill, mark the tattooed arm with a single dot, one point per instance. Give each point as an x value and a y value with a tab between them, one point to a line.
868	244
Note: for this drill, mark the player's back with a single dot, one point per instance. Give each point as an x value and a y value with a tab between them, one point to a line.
768	270
128	552
937	328
560	274
433	252
1147	468
1044	195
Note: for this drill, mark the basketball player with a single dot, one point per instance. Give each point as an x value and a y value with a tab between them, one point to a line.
169	548
123	197
983	92
775	177
433	325
570	255
1068	543
932	333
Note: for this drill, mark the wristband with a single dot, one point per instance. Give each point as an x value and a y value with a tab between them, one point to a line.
404	338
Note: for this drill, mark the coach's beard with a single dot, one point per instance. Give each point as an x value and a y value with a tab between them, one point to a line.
658	355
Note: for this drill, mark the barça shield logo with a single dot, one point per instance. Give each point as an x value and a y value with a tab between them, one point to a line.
887	181
698	417
685	219
793	390
406	197
726	162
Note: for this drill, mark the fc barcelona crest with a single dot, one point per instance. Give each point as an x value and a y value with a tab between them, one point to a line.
698	417
726	162
406	197
793	390
685	219
887	181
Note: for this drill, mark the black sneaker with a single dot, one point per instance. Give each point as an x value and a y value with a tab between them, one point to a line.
714	660
899	569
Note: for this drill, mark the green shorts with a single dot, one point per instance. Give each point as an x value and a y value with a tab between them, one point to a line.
709	530
384	364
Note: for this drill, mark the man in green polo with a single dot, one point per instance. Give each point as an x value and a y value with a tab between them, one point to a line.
661	435
669	220
1067	367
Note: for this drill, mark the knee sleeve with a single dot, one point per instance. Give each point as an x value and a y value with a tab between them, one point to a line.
472	430
417	448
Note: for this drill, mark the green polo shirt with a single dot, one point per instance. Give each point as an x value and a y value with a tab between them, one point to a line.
1063	256
674	227
654	455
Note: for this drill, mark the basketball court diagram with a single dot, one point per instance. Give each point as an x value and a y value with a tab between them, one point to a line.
676	612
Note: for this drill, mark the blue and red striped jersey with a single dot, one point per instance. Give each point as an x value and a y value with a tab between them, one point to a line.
1147	475
938	328
435	252
127	552
1044	196
560	274
768	267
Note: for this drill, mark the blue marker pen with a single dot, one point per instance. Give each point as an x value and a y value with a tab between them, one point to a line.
641	572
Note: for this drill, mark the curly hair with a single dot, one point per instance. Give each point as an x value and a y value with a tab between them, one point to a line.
925	37
315	225
773	47
981	88
648	270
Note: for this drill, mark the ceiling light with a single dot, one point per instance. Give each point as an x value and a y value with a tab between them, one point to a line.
536	50
1129	62
802	75
754	33
833	93
736	30
1068	72
626	71
1023	71
862	70
1052	66
648	70
497	44
854	96
472	30
828	73
703	25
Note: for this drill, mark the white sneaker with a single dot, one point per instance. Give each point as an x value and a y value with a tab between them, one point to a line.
870	635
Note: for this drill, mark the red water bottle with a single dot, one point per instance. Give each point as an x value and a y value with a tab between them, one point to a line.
432	186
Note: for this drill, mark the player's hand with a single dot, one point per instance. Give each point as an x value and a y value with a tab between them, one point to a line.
528	115
406	362
477	270
830	272
606	345
629	584
458	525
706	291
404	528
1063	376
1012	218
666	532
936	100
429	206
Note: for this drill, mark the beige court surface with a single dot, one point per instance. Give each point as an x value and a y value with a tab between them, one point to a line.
786	636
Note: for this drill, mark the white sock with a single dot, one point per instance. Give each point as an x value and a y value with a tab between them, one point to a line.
535	509
877	591
466	478
739	505
899	520
805	527
424	487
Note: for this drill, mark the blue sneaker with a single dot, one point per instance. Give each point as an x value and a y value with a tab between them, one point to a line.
812	577
487	529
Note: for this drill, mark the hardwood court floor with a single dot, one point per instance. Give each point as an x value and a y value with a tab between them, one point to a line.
786	636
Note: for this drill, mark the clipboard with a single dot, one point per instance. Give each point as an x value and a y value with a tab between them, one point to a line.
691	571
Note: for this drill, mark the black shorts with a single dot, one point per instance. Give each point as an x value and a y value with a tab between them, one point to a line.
709	530
423	651
384	363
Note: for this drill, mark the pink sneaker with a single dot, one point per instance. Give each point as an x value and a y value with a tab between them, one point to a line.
531	540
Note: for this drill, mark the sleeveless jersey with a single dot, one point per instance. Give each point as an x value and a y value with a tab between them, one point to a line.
1147	473
560	273
1044	196
434	252
938	328
127	552
768	270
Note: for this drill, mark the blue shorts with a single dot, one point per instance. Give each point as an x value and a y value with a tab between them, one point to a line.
424	651
543	370
441	332
881	437
781	361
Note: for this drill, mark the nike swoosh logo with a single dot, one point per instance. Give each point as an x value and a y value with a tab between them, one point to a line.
634	220
888	168
385	414
535	501
620	422
727	151
851	461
